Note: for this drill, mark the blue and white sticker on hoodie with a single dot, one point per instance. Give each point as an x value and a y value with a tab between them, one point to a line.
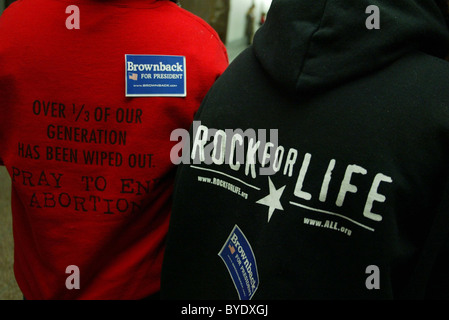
240	261
155	76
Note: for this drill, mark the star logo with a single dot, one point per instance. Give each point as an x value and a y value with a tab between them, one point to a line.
273	199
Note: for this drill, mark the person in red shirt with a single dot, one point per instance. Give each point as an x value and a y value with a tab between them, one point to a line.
90	92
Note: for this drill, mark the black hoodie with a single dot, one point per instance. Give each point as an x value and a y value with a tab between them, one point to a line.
348	199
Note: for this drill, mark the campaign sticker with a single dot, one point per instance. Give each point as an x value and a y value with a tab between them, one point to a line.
155	76
240	261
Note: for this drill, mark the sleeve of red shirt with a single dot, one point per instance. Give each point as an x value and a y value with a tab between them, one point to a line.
212	55
2	118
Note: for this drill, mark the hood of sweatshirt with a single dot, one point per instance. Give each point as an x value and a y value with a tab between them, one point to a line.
307	46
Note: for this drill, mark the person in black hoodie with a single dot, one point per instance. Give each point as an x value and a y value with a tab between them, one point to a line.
318	166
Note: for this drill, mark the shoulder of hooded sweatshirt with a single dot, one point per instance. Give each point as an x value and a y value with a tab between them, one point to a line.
431	78
422	65
420	74
435	65
433	75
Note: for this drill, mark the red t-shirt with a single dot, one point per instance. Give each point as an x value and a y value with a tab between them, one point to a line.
90	167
